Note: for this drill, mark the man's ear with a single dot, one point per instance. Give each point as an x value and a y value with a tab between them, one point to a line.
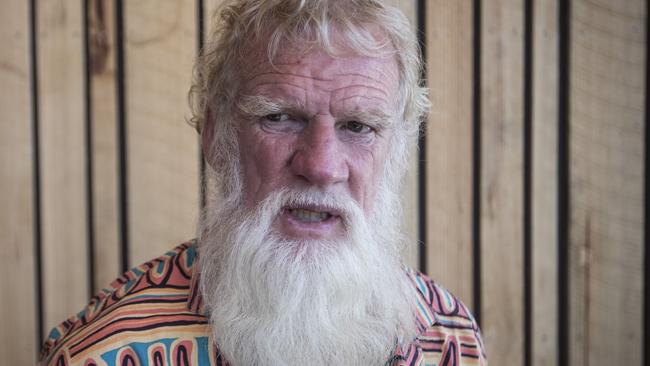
207	137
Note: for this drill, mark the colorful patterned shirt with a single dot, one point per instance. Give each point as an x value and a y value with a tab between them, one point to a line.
153	315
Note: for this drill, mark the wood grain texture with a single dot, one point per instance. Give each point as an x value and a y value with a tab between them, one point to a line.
162	148
501	190
449	146
544	184
60	71
409	190
101	42
606	165
18	338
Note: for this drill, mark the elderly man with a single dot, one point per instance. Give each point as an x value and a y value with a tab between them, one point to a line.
306	111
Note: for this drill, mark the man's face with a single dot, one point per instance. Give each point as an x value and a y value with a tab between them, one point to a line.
315	121
314	137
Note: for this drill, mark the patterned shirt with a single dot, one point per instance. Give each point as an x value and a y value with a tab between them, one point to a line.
154	315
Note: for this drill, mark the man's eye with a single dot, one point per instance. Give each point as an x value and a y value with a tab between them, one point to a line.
277	117
356	127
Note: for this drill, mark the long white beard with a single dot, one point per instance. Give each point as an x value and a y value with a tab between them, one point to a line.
274	301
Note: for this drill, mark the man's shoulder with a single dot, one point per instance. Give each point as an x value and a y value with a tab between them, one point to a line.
447	326
437	305
131	303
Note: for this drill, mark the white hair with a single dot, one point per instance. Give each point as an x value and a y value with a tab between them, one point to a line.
366	27
275	301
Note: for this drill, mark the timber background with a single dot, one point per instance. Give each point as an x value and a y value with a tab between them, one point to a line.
527	196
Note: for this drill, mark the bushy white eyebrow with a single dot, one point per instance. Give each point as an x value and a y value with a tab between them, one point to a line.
260	105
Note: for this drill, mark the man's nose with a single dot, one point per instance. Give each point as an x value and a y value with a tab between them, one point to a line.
319	157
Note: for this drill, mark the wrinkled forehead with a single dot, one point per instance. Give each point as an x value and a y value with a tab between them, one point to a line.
350	82
260	51
343	68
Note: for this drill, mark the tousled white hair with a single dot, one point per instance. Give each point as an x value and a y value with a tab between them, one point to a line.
366	27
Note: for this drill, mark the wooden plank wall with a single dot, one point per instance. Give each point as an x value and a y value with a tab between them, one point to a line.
501	179
18	333
543	193
160	46
449	144
606	126
59	43
102	128
526	197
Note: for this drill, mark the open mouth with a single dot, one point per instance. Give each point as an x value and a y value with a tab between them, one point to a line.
312	221
309	215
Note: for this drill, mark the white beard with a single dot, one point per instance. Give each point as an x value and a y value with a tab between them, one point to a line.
274	301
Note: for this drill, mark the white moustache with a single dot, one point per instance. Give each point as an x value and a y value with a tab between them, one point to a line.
312	204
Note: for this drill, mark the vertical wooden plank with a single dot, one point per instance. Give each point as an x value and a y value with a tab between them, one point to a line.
449	145
101	48
163	160
60	69
18	331
544	184
410	185
501	180
606	162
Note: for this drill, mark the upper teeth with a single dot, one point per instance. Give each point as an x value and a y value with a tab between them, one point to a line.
308	215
